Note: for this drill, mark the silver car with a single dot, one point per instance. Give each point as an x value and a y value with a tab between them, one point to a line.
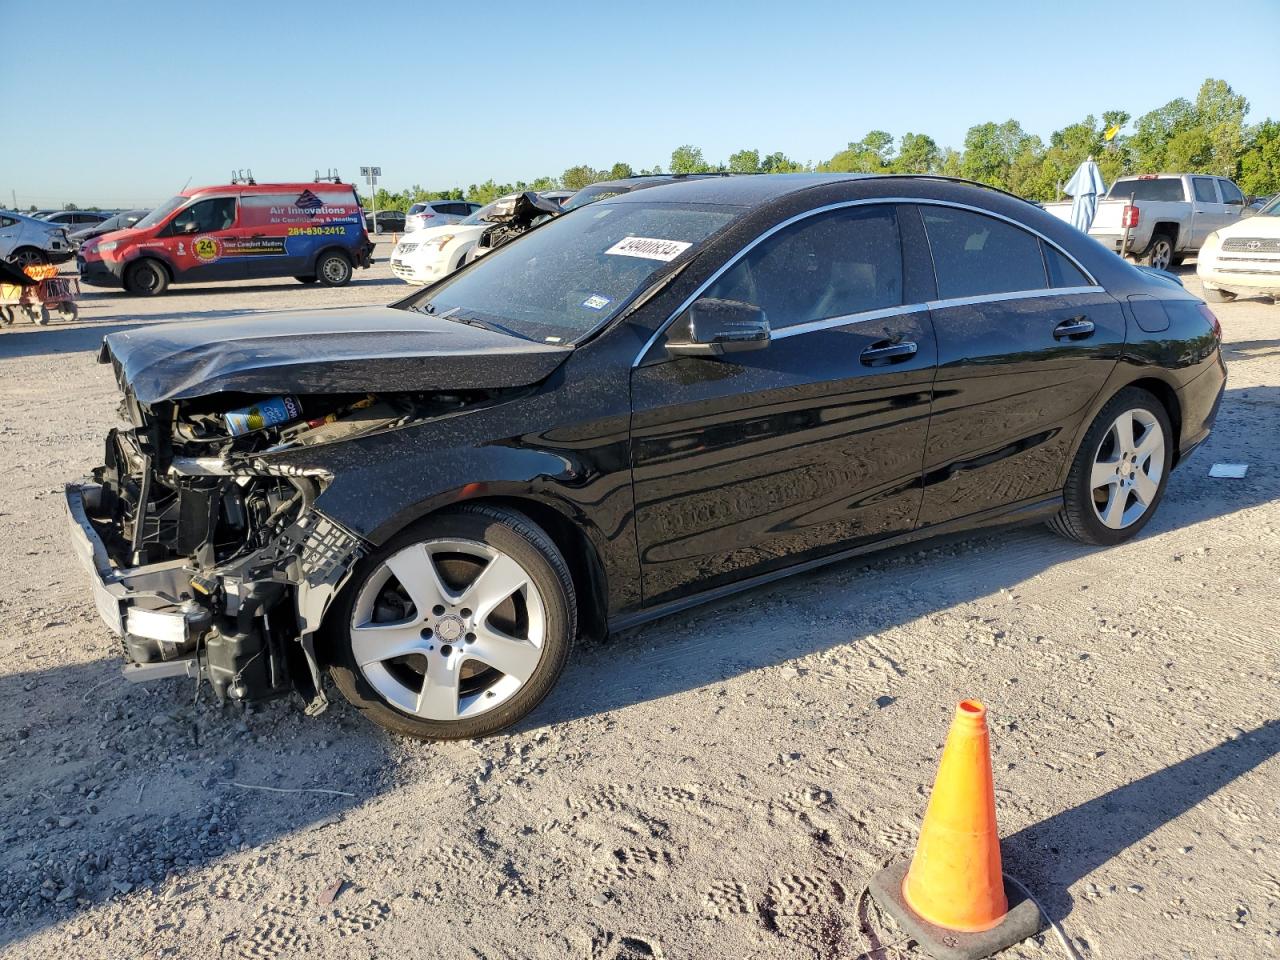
437	213
25	240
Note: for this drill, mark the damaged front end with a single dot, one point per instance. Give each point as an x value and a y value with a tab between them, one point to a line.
208	559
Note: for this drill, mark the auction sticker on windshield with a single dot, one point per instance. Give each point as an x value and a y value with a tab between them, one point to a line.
649	248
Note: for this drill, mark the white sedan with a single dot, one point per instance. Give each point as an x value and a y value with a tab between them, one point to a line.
425	256
1244	258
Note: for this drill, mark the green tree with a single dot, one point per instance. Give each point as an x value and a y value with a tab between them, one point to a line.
779	162
1219	113
575	178
1260	163
745	161
918	154
688	159
871	154
1002	155
620	171
1153	132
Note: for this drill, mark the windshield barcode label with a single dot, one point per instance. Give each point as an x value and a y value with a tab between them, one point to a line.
649	248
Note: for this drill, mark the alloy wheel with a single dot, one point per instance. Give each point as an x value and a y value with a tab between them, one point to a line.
446	630
1162	255
1127	468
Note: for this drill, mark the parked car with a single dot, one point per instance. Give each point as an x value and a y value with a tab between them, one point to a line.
75	220
1168	214
120	221
26	241
678	393
427	255
437	213
513	218
389	221
1255	204
559	196
246	231
1244	258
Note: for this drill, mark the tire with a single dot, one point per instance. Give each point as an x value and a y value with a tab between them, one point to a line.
1159	254
28	257
146	278
69	312
305	279
6	316
333	268
1213	295
540	615
1128	500
39	315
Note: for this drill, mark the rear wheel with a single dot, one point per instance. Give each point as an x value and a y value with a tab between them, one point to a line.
1159	254
28	257
146	278
1120	471
333	269
457	627
1214	295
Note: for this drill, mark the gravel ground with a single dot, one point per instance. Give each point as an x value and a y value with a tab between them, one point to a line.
718	784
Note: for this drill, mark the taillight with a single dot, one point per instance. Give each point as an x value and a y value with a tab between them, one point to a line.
1130	216
1213	320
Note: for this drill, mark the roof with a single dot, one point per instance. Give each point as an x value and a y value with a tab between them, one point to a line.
747	189
251	188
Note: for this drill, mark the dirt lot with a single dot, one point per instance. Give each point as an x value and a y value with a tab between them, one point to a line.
719	784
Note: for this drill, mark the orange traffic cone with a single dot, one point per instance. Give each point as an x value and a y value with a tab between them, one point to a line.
954	900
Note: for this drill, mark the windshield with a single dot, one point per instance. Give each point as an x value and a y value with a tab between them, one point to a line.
1272	207
1163	188
160	213
564	279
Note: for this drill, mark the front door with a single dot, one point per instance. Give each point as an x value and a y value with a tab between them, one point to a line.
200	241
1025	343
749	462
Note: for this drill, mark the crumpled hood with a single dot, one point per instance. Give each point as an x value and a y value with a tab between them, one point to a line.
359	350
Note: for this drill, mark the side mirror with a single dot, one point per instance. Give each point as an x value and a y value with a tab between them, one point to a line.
717	327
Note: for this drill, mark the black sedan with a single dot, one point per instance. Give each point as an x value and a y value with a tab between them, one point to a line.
652	401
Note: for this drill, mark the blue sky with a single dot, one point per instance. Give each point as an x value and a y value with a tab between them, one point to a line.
138	97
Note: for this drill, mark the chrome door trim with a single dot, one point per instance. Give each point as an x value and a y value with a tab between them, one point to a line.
847	320
906	308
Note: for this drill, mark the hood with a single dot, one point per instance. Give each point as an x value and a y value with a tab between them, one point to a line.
365	350
1255	226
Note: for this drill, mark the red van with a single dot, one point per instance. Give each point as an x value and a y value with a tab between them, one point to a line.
310	231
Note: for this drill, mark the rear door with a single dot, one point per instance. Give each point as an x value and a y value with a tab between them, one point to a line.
1232	201
10	233
1025	343
1210	212
750	462
266	242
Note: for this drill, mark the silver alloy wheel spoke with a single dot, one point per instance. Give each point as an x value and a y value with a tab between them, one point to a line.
377	642
1126	481
438	699
498	581
510	655
415	568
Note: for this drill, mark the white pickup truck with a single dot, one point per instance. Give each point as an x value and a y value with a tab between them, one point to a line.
1168	214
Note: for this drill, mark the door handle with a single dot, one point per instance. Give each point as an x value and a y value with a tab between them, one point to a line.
885	352
1077	328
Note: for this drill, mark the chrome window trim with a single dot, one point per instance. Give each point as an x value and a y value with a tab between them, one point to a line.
889	311
847	320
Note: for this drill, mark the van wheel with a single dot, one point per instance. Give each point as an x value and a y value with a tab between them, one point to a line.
1159	254
146	278
333	269
455	628
1214	295
305	279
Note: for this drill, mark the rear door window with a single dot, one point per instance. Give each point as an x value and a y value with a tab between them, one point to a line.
830	265
975	254
1230	192
1206	192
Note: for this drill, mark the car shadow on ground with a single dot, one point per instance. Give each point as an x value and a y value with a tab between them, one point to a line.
106	787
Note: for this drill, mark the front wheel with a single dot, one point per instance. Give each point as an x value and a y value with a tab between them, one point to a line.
457	627
333	269
146	278
1120	471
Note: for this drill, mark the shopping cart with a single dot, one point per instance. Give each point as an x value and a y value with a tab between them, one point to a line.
36	292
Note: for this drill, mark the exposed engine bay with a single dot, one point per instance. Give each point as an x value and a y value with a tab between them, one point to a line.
521	214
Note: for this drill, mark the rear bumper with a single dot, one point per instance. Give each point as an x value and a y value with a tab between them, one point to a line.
1199	400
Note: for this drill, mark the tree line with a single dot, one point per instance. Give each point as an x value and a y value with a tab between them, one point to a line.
1205	135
